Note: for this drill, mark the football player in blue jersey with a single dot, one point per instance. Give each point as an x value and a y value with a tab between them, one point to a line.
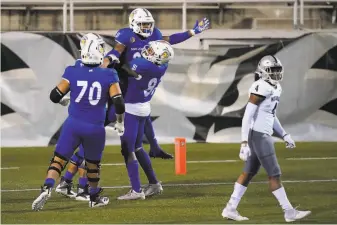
151	66
129	43
77	163
90	88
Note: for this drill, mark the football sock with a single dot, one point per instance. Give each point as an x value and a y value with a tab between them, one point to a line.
68	177
145	163
82	181
49	182
134	175
237	194
94	191
282	198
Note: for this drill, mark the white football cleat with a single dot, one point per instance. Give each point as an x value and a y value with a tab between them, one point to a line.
99	202
83	193
232	214
132	195
292	215
65	189
41	200
153	189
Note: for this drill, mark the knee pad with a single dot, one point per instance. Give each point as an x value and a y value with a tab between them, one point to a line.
93	167
60	163
76	159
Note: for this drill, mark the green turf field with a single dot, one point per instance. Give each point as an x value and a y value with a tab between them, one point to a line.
314	187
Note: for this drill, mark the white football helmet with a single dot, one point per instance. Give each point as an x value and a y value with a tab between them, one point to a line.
158	52
91	36
141	22
270	69
92	53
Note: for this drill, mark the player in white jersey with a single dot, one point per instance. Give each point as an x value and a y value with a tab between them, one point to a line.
257	146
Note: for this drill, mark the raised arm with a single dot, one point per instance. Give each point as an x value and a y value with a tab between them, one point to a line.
199	27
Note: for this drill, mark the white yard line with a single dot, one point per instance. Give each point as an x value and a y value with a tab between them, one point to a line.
232	160
195	184
207	161
312	158
10	168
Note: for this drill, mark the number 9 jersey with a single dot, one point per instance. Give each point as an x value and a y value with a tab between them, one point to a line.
263	120
140	92
89	92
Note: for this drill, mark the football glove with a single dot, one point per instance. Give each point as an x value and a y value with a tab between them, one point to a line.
65	101
201	26
290	143
119	128
244	152
113	59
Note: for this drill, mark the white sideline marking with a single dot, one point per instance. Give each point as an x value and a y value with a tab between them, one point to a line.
312	158
10	168
194	184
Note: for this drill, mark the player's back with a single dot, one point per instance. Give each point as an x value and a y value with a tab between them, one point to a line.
265	114
141	91
89	92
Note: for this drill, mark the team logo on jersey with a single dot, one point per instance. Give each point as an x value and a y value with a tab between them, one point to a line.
132	39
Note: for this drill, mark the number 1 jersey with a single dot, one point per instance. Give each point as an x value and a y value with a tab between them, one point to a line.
89	92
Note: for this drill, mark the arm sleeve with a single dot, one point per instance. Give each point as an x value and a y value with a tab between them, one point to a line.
278	128
179	37
247	120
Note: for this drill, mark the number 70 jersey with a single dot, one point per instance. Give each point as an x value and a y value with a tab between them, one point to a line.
263	120
89	92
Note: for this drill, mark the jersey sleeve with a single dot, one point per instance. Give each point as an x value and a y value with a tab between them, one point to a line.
112	76
259	89
78	63
157	34
67	74
139	65
123	36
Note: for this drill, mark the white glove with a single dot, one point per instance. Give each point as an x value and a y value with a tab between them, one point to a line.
244	152
290	143
65	101
139	77
113	59
119	128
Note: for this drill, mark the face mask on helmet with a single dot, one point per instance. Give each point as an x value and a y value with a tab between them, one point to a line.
148	53
275	73
146	28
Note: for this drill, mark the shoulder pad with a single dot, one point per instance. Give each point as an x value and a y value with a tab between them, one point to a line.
260	87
